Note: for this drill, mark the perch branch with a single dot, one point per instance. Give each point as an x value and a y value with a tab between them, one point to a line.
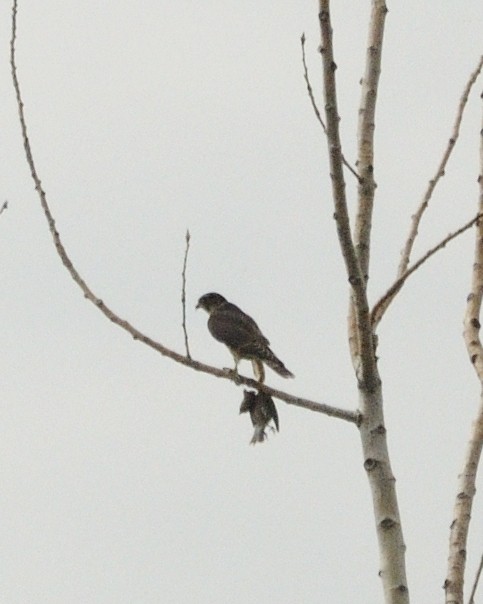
467	479
314	104
183	294
417	216
384	302
349	416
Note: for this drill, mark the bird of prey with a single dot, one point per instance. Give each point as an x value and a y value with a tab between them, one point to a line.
230	325
262	410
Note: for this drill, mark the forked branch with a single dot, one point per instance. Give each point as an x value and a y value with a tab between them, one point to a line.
366	362
384	302
417	216
372	429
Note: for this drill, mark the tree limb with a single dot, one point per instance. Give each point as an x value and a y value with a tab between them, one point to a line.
466	480
365	155
349	416
417	216
384	301
365	136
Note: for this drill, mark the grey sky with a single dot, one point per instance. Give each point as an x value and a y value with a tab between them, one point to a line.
127	478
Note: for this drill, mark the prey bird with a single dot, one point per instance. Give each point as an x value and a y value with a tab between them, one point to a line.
262	411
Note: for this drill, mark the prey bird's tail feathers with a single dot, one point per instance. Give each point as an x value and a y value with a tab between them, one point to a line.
258	436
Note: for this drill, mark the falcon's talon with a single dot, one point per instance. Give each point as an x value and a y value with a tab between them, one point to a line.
233	373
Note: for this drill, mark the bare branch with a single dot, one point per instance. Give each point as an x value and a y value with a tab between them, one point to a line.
365	156
416	218
349	416
315	107
467	479
4	206
365	348
475	582
384	302
365	159
183	294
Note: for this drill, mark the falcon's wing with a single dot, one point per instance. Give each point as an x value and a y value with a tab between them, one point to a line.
233	327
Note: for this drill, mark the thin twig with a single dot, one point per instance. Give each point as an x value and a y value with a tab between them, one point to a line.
383	303
475	582
315	107
183	294
417	216
4	206
309	86
349	416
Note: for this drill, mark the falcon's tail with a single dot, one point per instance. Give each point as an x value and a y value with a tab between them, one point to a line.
276	364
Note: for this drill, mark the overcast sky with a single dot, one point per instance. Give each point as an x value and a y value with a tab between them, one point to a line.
127	478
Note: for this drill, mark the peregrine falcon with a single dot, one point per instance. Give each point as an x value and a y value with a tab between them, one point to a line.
262	410
230	325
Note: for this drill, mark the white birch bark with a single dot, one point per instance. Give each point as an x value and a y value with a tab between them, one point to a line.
361	337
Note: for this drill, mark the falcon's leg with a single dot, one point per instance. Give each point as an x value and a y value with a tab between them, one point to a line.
234	372
258	370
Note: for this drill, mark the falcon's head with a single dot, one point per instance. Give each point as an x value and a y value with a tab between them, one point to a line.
210	302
